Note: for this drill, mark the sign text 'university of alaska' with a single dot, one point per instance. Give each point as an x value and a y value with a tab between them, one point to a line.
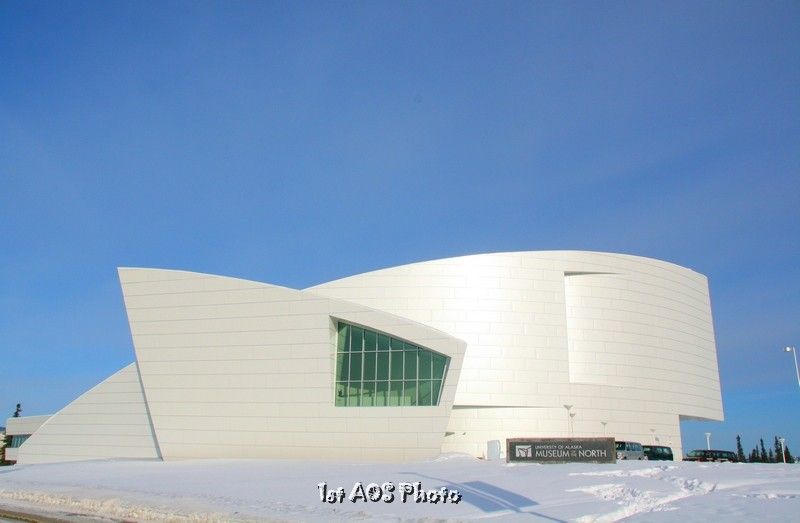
561	450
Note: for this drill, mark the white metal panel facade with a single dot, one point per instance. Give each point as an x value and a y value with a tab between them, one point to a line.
627	341
234	368
108	421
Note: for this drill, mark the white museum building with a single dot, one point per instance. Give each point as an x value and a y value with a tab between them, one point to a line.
398	364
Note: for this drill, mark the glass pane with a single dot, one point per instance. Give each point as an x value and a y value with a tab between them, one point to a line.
370	340
397	365
383	342
369	365
341	399
425	390
409	346
439	364
395	392
355	366
397	344
424	364
409	393
411	365
368	394
381	393
342	343
383	366
436	389
353	394
342	366
356	339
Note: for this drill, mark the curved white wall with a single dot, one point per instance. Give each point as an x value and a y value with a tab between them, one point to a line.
108	421
624	339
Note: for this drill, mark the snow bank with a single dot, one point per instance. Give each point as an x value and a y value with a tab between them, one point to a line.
260	490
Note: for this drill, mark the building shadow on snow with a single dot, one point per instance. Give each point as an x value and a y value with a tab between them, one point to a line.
490	498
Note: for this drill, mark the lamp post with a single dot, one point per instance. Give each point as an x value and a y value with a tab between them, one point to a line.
604	423
708	441
571	424
569	419
653	435
796	368
783	449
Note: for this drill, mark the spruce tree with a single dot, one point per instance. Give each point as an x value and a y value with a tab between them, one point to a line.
789	457
754	458
5	444
778	451
770	456
739	450
764	457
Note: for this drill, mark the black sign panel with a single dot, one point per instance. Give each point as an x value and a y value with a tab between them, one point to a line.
561	450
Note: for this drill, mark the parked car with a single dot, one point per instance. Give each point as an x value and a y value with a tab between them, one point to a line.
657	452
711	455
630	450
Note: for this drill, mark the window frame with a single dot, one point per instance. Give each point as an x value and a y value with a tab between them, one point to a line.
395	372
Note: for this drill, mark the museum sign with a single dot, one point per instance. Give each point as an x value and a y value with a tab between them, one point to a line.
561	450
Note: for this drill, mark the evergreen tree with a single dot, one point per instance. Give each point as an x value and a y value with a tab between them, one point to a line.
739	450
763	456
4	444
17	411
770	456
778	451
754	457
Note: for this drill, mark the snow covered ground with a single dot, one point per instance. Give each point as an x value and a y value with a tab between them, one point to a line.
260	490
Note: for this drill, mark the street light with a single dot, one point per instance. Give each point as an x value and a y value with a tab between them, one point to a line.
708	440
783	449
569	419
653	435
604	423
571	424
796	368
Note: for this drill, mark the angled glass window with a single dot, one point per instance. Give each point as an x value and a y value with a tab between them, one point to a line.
374	369
18	439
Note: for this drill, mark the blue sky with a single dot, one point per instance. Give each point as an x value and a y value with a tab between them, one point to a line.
296	143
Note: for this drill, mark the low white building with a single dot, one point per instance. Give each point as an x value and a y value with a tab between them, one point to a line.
402	363
20	429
